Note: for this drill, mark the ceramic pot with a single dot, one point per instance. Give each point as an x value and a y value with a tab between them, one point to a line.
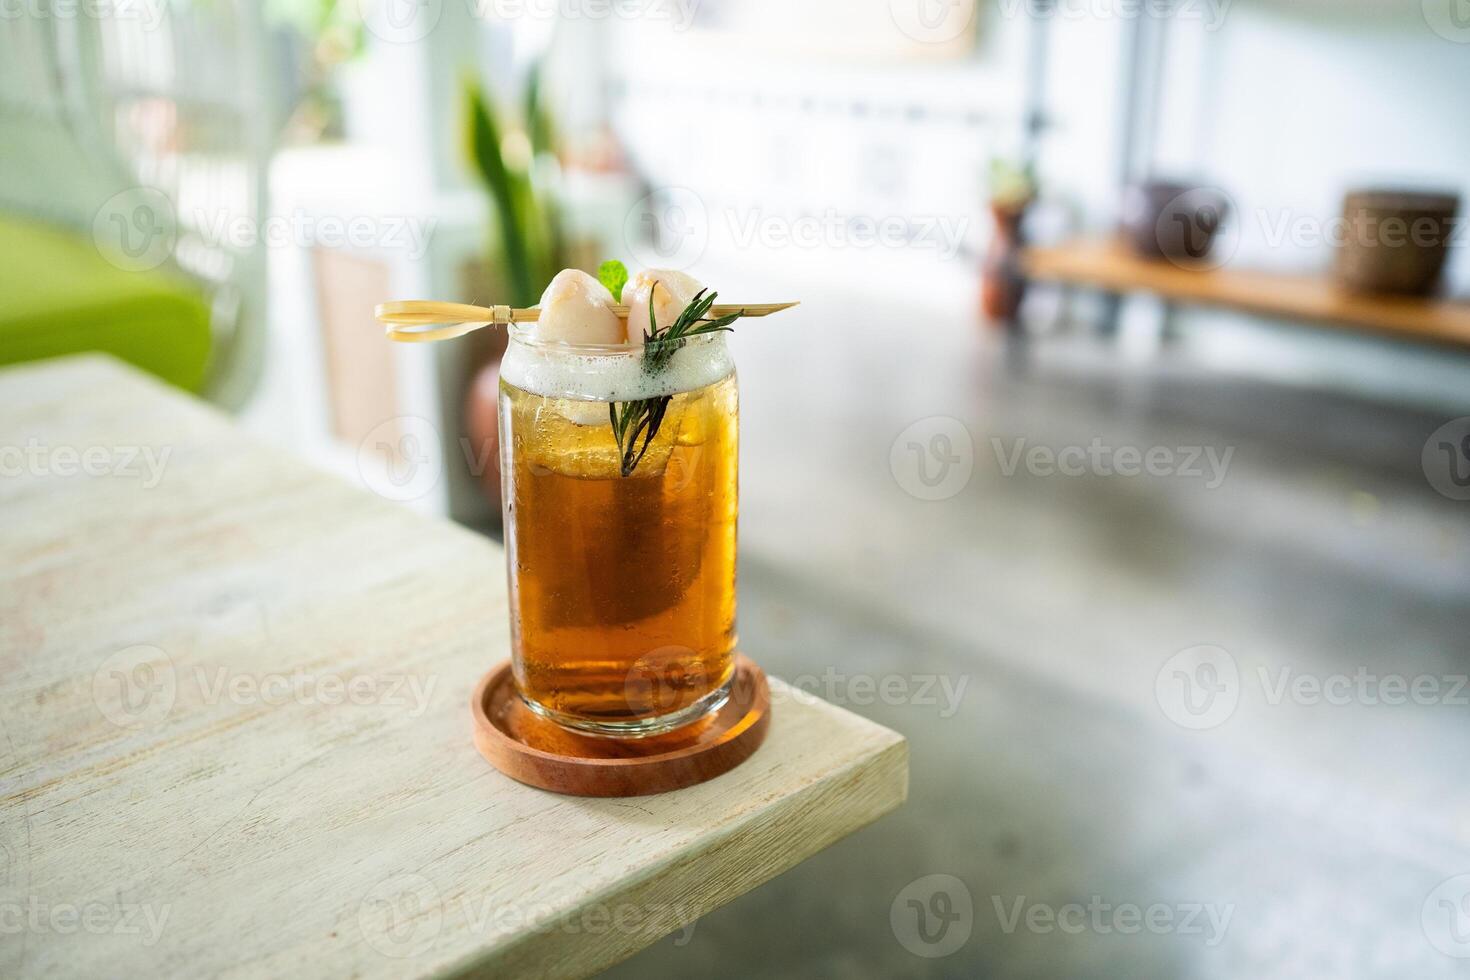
1394	241
1166	219
1002	282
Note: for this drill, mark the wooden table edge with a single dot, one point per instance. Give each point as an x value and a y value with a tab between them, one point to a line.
883	775
739	857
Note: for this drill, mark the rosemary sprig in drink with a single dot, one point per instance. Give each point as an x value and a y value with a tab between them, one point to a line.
636	423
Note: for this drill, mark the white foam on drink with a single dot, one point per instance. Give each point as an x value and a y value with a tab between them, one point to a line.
561	371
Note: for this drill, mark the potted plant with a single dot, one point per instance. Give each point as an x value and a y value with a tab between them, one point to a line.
1002	282
527	241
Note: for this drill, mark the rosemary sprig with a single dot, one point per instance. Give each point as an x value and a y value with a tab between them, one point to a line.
659	347
632	419
640	420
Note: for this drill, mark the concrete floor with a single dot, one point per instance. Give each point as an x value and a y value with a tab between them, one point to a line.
1320	830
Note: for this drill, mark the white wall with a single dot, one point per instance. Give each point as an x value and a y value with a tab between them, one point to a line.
1283	104
1304	106
775	129
1288	106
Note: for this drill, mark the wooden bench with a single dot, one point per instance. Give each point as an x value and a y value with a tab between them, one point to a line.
1109	265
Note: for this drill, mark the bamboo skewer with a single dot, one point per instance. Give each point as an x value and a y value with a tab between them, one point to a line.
445	321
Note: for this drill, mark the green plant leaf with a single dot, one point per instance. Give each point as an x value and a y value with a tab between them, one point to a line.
614	275
509	191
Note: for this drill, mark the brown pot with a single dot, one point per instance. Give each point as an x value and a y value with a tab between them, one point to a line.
1002	282
1394	241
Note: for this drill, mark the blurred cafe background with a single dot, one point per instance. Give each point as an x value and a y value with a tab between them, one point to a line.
1118	454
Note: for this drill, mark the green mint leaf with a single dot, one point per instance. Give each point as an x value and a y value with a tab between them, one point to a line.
614	275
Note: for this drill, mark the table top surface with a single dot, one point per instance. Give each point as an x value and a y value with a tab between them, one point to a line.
235	737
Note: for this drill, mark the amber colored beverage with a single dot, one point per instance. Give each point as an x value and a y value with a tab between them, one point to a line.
622	588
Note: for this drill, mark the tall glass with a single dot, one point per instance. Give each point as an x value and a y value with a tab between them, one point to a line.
622	580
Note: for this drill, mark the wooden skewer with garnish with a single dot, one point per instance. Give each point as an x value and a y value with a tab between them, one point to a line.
634	423
419	320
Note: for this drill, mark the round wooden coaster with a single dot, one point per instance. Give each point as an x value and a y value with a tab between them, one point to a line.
541	753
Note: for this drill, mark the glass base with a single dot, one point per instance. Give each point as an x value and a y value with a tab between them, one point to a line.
640	727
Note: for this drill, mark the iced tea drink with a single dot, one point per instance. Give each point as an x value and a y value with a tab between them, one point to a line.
622	580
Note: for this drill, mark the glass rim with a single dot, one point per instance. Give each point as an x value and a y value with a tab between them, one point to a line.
524	334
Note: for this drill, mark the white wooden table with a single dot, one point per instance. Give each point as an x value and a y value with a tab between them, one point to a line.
234	736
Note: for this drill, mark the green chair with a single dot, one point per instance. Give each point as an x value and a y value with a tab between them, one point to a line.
61	296
94	109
